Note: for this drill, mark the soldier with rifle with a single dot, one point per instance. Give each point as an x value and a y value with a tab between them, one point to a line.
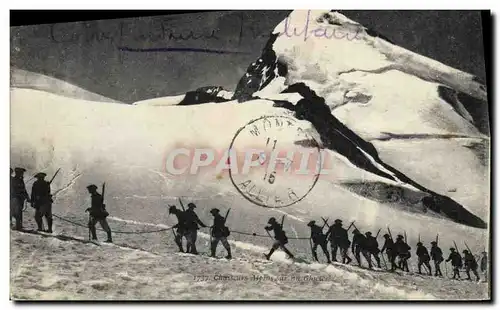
97	212
220	232
18	195
372	247
456	262
423	258
390	250
279	236
359	245
403	252
484	265
339	239
41	200
318	238
180	227
437	257
470	263
192	221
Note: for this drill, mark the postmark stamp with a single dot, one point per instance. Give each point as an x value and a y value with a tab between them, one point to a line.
281	173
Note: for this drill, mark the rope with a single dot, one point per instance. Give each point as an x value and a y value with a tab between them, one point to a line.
114	231
165	229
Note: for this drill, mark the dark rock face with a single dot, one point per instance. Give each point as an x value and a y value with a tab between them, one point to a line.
203	95
260	73
473	106
339	138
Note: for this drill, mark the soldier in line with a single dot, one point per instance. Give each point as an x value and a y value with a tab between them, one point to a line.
339	239
318	238
359	246
18	195
390	251
423	258
470	264
372	247
180	227
192	221
484	265
280	238
437	257
97	213
403	252
456	262
220	232
41	200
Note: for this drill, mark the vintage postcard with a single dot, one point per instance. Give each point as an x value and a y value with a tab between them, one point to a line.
251	155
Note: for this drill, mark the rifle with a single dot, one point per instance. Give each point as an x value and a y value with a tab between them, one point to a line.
389	231
326	223
182	205
437	238
467	247
378	232
282	220
456	248
227	213
50	182
418	238
351	225
405	237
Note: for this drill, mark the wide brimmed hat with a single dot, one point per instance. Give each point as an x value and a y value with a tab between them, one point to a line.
191	205
311	223
19	170
92	186
40	175
214	210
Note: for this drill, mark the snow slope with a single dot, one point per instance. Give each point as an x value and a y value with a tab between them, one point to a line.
25	79
379	137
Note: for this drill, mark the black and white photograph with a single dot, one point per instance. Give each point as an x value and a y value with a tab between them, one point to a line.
251	155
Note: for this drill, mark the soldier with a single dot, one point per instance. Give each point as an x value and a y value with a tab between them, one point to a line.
402	250
97	213
18	195
390	251
484	265
372	247
180	226
437	257
279	236
359	246
339	239
456	262
318	238
41	200
470	264
192	221
220	232
423	258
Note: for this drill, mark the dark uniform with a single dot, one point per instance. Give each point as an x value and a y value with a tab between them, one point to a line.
97	213
389	250
279	236
41	200
180	227
18	195
372	247
359	245
456	262
484	265
470	264
437	257
192	221
403	252
423	258
339	239
318	238
219	232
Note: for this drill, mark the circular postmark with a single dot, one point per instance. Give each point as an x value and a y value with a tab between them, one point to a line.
276	172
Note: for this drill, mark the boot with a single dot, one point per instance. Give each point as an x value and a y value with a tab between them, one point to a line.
39	224
49	224
110	240
212	250
315	256
93	233
228	256
268	256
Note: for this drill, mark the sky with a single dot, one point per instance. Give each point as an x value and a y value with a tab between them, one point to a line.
132	59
